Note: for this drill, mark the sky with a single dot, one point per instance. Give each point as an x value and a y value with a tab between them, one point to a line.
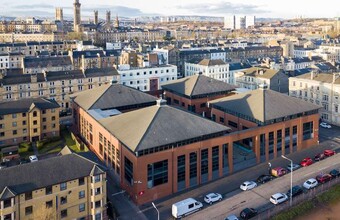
136	8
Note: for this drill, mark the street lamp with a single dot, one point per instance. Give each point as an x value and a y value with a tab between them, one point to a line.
291	178
153	204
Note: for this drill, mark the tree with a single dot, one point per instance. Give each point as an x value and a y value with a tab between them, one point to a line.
42	212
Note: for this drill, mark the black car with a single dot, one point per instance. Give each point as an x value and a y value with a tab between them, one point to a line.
264	178
334	173
248	213
297	190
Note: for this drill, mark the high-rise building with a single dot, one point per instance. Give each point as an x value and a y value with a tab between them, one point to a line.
77	18
59	14
95	17
108	19
238	22
117	22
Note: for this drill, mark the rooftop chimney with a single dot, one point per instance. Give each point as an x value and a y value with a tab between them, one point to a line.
161	102
263	86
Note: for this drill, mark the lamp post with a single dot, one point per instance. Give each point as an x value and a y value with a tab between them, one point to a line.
153	204
291	179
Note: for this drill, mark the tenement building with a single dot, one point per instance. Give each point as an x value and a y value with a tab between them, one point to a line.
322	89
160	150
28	120
62	187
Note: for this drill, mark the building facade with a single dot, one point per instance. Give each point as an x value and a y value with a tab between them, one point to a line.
79	193
322	89
28	120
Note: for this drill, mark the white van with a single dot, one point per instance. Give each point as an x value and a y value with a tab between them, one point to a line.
185	207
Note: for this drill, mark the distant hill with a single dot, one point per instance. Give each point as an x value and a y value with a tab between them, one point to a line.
5	18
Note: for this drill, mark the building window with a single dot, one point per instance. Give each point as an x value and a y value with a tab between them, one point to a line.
53	118
35	114
63	213
307	130
181	168
49	204
215	158
63	200
35	130
97	204
157	173
7	203
81	194
35	122
14	124
23	114
28	210
97	178
15	132
176	102
44	119
81	181
97	191
128	172
193	165
203	105
221	119
48	190
28	195
233	124
63	186
82	207
204	161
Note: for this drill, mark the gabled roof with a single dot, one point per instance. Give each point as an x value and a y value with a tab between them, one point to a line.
111	96
263	105
31	176
6	194
197	85
208	62
261	72
24	105
41	62
157	126
64	75
321	77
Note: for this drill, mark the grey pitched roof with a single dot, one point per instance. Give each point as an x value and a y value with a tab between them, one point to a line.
24	105
15	79
208	62
112	96
35	62
197	85
64	75
6	194
157	126
263	105
101	72
321	77
28	177
261	72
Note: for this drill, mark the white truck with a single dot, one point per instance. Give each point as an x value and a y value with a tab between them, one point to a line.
185	207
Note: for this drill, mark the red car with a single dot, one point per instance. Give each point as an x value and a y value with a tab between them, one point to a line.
329	153
319	157
306	162
322	178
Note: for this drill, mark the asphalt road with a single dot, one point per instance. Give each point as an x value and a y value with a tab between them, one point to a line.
229	186
259	196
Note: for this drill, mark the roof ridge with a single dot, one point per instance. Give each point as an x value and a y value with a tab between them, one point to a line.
264	104
151	122
98	98
193	88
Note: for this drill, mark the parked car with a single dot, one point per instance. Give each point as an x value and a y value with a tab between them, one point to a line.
296	190
329	153
319	157
306	162
264	178
185	207
212	197
23	161
325	125
322	178
310	183
279	171
231	217
248	185
294	167
278	198
33	158
334	173
248	213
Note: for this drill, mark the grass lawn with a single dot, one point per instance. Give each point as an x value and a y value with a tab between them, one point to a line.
69	141
25	150
51	147
329	197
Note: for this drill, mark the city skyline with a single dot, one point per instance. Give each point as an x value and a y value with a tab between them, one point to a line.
134	8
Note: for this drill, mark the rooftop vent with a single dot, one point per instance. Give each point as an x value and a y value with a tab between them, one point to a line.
161	102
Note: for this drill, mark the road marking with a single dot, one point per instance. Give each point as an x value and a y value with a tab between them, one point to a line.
114	194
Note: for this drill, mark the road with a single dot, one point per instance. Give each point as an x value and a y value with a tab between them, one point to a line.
259	196
229	186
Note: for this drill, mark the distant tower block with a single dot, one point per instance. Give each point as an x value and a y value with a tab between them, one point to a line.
77	19
117	22
96	17
59	14
108	19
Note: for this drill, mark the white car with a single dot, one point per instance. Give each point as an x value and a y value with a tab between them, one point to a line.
231	217
248	185
310	183
325	125
33	158
278	198
212	197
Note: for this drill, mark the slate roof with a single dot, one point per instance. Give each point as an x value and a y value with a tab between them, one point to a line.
31	176
112	97
158	125
64	75
24	105
321	77
261	72
197	85
238	66
101	72
41	62
263	105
